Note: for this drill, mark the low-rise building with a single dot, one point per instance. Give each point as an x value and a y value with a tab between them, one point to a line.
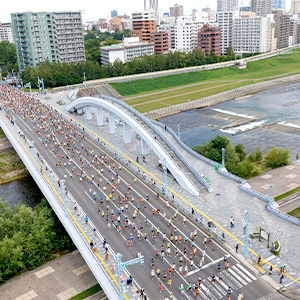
209	39
130	49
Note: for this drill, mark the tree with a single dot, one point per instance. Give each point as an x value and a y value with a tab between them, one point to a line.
92	50
231	158
246	168
220	142
240	150
256	155
277	157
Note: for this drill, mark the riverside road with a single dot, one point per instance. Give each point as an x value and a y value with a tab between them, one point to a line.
162	224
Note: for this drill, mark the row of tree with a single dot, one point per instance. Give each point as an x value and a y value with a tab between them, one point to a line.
61	74
236	160
28	237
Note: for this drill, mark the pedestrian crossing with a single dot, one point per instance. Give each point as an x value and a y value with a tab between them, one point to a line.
235	279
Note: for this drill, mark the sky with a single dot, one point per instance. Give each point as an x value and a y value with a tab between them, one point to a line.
95	9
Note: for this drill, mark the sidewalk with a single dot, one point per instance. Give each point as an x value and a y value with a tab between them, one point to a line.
225	201
61	279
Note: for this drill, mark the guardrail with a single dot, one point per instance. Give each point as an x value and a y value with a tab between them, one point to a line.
231	176
57	205
283	215
254	193
165	139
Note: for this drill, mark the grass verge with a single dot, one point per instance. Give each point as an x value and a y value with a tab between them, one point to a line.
279	65
91	291
284	195
295	213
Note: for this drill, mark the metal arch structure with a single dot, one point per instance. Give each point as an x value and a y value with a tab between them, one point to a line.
146	137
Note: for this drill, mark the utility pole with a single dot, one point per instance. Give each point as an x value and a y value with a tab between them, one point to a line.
120	266
63	193
246	238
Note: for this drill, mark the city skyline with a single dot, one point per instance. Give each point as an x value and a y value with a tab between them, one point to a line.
93	11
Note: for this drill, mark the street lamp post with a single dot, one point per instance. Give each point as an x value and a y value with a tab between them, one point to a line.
223	157
47	98
84	79
63	102
63	193
270	195
246	239
34	154
165	174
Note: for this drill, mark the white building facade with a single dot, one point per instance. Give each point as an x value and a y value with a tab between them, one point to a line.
130	49
252	35
225	21
5	32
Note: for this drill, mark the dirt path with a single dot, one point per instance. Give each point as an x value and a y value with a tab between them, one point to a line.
187	93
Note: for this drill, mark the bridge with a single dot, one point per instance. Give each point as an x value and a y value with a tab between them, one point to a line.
25	120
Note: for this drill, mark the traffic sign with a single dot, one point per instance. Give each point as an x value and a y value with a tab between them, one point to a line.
122	279
124	265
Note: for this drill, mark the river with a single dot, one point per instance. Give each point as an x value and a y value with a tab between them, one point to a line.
24	190
271	117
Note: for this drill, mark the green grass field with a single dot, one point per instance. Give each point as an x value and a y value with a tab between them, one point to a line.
208	82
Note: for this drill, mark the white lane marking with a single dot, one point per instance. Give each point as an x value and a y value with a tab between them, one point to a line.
285	203
270	257
23	122
212	289
247	272
231	280
207	265
237	276
242	274
222	283
291	282
216	286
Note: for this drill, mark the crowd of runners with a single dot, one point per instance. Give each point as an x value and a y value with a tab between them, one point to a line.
176	252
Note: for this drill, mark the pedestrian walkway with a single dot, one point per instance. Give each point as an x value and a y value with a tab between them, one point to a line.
283	180
57	279
225	201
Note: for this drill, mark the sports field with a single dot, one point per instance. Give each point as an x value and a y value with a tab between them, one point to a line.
149	94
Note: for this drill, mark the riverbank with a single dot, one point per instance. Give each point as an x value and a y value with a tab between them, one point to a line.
11	166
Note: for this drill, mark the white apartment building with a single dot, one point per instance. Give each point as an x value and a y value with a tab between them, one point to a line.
172	34
225	21
128	50
5	32
251	35
293	32
186	31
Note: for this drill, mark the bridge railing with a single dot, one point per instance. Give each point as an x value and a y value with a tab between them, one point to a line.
254	193
31	161
283	215
166	140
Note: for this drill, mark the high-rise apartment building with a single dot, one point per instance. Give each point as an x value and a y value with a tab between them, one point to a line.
251	35
5	32
282	29
278	4
209	39
176	11
144	26
261	7
225	21
295	7
207	9
227	5
152	6
55	36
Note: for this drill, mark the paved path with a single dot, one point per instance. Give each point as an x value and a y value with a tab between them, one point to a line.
283	180
59	279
